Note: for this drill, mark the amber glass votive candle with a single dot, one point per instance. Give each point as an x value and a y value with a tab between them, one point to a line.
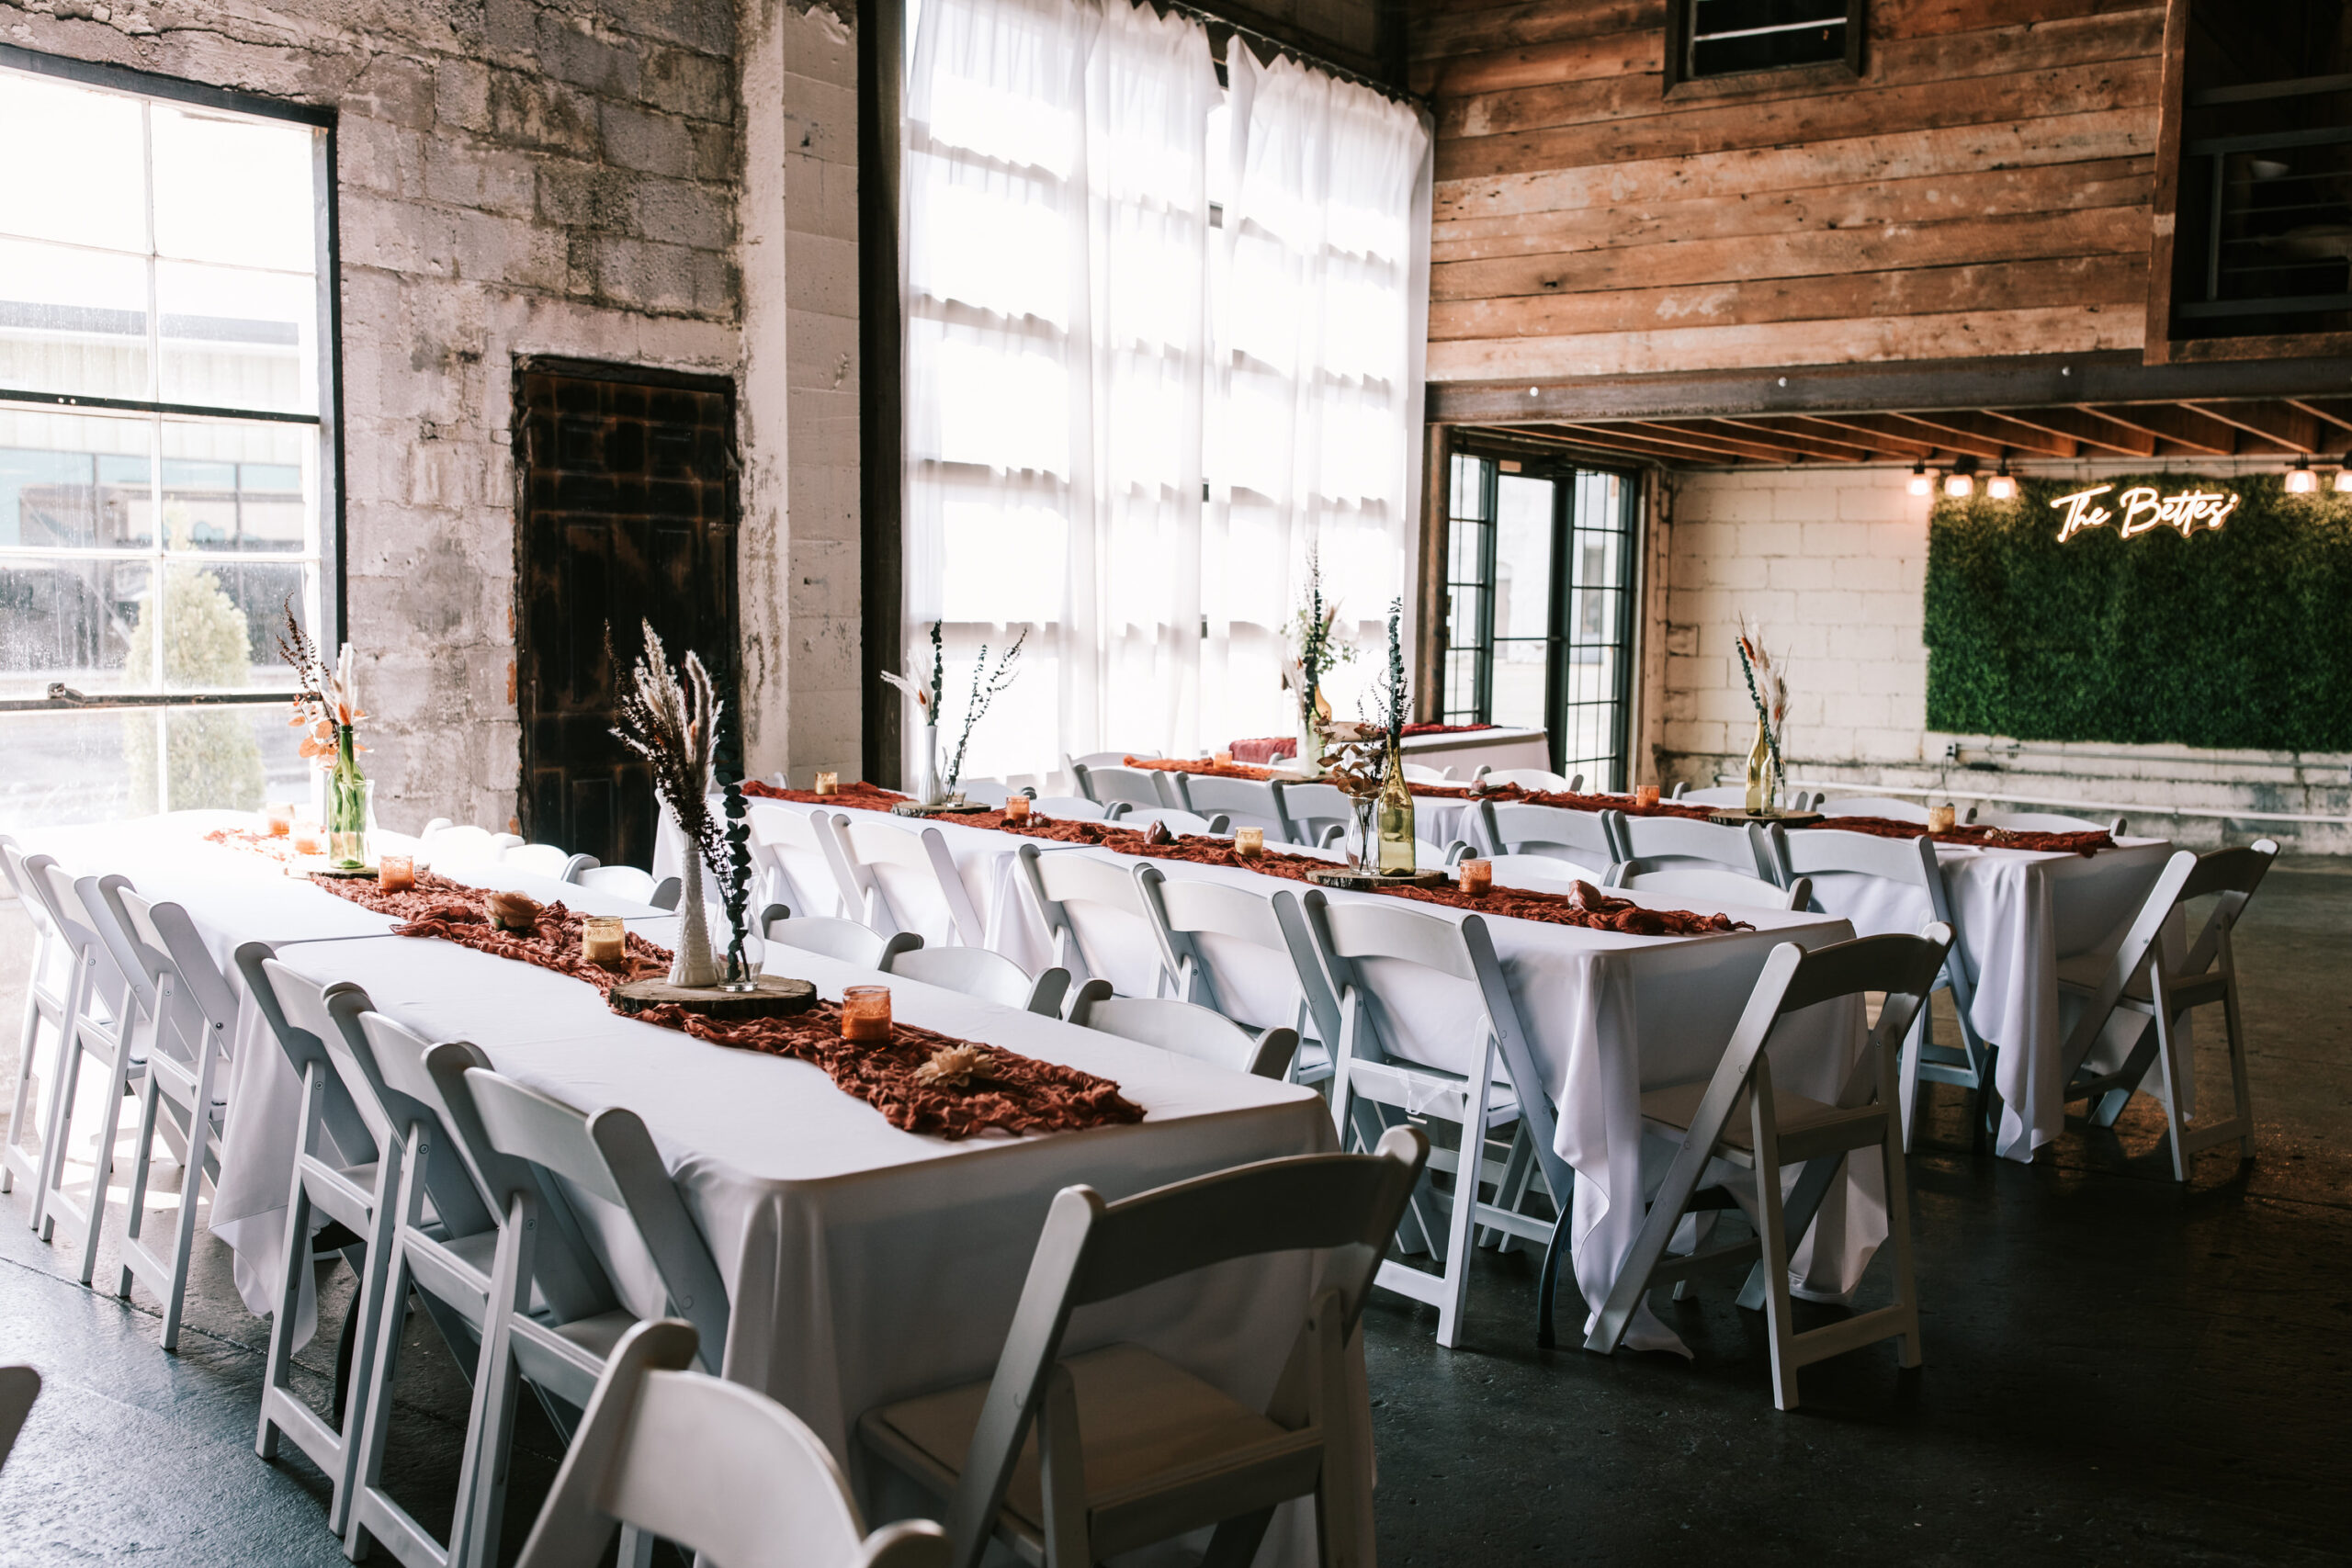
1477	876
1016	808
1222	758
866	1013
603	939
310	838
395	874
1646	794
1249	842
278	818
1942	818
829	783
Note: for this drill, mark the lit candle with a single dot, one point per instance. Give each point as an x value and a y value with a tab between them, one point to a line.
1477	876
866	1013
829	783
1016	808
604	940
1222	758
1941	818
395	874
310	838
1248	843
278	818
1646	796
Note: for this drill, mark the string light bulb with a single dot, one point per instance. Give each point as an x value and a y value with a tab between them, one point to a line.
2344	476
2300	481
1920	483
2001	487
1961	483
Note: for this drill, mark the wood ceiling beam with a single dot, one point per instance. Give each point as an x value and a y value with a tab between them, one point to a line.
1873	428
1954	437
2002	431
1614	438
1850	449
1703	433
2333	410
2088	429
2293	428
2190	430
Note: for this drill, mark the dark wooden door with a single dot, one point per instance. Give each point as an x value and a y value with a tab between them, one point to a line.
625	513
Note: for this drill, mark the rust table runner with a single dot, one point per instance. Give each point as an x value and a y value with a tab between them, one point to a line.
1502	794
278	848
984	1089
1971	835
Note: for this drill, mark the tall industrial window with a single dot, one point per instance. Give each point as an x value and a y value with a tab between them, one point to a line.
166	463
1539	627
1732	37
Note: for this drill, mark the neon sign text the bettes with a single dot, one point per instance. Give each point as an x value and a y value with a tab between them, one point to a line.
2144	510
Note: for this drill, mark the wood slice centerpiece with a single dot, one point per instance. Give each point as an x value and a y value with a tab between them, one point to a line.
952	808
1359	880
774	997
1766	819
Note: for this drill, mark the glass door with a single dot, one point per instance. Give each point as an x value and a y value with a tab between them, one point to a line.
1539	624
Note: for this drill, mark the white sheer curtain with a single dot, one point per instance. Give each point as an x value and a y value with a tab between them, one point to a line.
1069	357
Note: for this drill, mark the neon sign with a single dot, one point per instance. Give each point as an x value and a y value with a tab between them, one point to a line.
2144	510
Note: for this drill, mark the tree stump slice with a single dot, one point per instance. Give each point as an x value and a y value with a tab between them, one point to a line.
776	998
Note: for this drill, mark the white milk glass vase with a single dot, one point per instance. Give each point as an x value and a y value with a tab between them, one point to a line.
692	963
928	790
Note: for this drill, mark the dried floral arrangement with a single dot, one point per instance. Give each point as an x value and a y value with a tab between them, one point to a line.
672	721
326	701
1315	648
926	698
1356	754
987	684
1766	688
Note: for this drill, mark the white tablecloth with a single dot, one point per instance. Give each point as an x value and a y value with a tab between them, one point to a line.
1608	1016
2019	912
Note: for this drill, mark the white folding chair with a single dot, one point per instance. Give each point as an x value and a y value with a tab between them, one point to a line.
905	880
1107	783
1186	1029
844	940
108	1022
620	881
19	1386
1130	1449
1817	853
1738	1117
799	853
719	1469
2135	997
977	972
1242	803
1875	806
1717	884
1058	880
188	1058
1735	796
1237	951
1543	873
1684	843
1585	838
540	1160
49	991
1072	809
1107	759
988	792
1540	779
1318	813
1421	773
1373	953
444	843
546	860
2044	822
1177	821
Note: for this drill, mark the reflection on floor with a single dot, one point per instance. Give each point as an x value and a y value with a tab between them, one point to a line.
2118	1371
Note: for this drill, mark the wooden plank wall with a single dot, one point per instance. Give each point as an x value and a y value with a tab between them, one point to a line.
1984	188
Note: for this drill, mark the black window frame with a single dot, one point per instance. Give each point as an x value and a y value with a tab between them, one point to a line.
1681	20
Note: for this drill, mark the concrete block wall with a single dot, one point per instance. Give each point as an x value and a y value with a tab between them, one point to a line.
518	178
1832	563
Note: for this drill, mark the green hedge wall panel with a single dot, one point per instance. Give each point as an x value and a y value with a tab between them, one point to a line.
2236	637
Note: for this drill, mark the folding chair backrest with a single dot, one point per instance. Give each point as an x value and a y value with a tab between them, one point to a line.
1069	809
1684	879
544	859
977	972
1237	952
910	880
1309	808
801	853
1109	759
1362	942
719	1469
1533	778
620	881
1544	873
1819	853
844	940
1419	773
1185	1029
1102	784
1515	827
2230	876
1875	806
12	860
456	844
341	1115
1345	1205
2043	822
1695	843
1243	803
1074	891
1178	820
988	792
165	930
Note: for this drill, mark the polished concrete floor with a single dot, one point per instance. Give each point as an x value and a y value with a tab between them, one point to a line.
2118	1371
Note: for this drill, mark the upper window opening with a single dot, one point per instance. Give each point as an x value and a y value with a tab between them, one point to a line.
1733	38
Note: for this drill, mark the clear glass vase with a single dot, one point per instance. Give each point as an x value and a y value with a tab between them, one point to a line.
348	811
1363	838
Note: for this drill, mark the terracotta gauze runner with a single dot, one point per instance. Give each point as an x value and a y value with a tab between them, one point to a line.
1972	835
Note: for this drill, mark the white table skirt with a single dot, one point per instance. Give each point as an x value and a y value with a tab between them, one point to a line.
1608	1016
2019	912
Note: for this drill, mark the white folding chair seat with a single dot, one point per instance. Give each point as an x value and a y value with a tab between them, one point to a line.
186	1083
1587	838
620	881
1243	803
719	1469
1186	1029
1107	783
1071	888
107	1021
540	1160
1737	1116
1544	874
1179	821
1130	1450
50	986
977	972
1817	853
1719	885
546	860
447	844
1072	809
1542	779
844	940
2134	999
906	881
799	853
1318	814
1250	958
1875	806
1685	843
1371	951
2044	822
